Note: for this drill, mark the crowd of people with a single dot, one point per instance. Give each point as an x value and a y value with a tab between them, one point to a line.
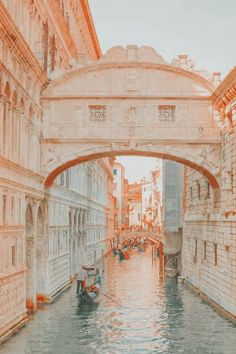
125	248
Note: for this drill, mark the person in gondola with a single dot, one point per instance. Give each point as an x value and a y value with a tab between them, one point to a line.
97	278
121	255
81	280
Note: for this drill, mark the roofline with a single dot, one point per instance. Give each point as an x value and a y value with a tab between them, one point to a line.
91	27
225	86
97	66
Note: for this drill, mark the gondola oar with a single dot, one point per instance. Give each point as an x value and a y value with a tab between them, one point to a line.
110	298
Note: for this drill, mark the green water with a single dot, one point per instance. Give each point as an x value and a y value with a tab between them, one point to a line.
148	316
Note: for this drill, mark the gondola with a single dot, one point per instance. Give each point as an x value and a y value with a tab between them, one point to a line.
141	248
121	256
89	296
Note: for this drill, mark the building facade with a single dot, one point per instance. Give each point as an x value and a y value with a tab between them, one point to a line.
45	234
152	213
119	194
173	197
209	243
135	205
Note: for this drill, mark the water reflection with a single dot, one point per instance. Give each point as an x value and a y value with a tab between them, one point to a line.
154	317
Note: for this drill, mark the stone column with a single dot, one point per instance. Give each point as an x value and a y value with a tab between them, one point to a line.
21	138
10	132
6	130
1	123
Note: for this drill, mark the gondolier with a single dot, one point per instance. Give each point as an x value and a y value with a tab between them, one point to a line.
81	279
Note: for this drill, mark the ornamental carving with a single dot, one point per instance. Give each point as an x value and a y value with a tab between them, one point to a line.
211	154
131	80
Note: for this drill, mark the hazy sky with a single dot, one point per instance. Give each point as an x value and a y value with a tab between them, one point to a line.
203	29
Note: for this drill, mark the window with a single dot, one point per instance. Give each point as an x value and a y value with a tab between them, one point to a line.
13	255
67	178
166	114
215	253
45	46
97	113
195	253
114	171
4	209
204	250
19	211
12	209
208	191
199	190
62	179
191	193
115	186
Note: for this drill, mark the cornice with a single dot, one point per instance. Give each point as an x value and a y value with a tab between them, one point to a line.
173	98
91	27
226	91
17	40
22	170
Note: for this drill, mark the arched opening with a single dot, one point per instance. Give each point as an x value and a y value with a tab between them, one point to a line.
181	158
30	260
40	256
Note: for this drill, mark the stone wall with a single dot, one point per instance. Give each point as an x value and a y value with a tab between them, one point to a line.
209	247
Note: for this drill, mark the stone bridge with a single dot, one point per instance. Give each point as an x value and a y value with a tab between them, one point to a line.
130	102
151	235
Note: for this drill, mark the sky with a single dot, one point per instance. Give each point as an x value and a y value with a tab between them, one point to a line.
203	29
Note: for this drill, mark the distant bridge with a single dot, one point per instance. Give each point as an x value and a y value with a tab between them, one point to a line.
150	234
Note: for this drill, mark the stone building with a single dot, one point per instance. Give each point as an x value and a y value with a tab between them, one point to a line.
45	233
209	250
173	193
135	205
61	103
152	199
119	193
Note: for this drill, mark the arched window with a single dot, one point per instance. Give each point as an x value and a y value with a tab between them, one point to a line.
199	190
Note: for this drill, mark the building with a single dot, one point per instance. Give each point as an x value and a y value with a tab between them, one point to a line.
152	199
126	203
209	230
45	233
135	205
173	189
192	120
173	197
119	193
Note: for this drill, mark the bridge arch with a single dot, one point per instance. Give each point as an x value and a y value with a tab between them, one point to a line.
130	102
197	163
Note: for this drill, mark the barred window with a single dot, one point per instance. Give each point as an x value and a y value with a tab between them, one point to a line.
166	114
97	113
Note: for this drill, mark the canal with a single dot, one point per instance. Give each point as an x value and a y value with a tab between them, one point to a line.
155	316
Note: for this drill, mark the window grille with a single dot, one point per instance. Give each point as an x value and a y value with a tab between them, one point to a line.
97	114
166	114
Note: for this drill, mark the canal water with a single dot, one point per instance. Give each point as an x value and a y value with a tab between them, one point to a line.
148	315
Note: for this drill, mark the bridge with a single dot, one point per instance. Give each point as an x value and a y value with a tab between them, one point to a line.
149	234
130	102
